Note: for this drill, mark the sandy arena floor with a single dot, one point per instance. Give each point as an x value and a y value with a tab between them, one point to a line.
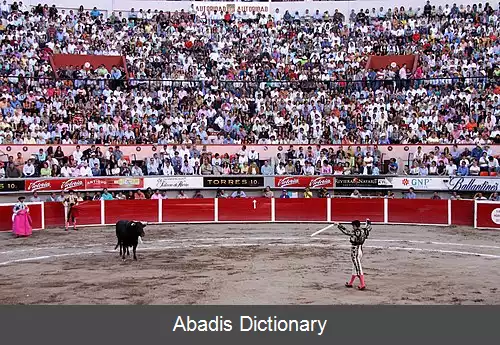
251	264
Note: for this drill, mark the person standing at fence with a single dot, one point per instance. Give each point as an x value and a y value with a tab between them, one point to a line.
21	219
357	237
70	212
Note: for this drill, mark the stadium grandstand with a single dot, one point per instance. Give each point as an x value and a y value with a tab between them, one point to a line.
183	75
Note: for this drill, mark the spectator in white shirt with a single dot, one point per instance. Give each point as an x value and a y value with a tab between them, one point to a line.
238	194
451	169
168	169
253	156
474	169
280	169
483	162
187	169
77	154
94	160
136	170
152	167
308	169
368	160
29	169
493	164
5	8
215	160
75	172
85	170
66	170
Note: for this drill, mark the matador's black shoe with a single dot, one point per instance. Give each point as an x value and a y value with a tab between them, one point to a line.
347	285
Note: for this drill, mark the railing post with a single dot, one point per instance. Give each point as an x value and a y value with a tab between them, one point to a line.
475	214
43	215
386	211
216	210
449	212
273	209
160	210
103	218
329	210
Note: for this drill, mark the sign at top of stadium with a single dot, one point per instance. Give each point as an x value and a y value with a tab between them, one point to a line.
232	7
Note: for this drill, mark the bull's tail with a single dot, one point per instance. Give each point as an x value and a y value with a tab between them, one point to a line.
116	247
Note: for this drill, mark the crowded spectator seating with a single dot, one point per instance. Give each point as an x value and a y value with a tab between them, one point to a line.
196	78
190	159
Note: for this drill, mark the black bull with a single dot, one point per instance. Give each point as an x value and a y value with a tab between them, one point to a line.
128	233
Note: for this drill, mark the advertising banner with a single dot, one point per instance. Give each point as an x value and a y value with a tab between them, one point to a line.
419	183
232	7
48	185
362	182
230	182
173	182
11	185
304	181
473	184
114	183
495	216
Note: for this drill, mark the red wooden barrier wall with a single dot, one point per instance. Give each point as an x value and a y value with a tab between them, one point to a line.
488	215
188	210
462	212
416	211
145	210
345	210
6	211
301	210
245	210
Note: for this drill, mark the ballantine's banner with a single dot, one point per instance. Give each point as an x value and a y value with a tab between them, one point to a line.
240	181
174	182
419	183
473	184
304	181
362	182
53	185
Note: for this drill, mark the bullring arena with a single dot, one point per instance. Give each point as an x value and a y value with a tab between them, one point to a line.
252	263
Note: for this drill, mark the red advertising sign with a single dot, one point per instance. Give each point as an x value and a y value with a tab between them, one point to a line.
304	181
54	184
48	185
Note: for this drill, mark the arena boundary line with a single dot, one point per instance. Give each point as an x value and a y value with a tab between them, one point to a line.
333	238
249	222
263	238
236	245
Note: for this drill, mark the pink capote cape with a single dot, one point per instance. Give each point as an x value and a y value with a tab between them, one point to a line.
21	224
